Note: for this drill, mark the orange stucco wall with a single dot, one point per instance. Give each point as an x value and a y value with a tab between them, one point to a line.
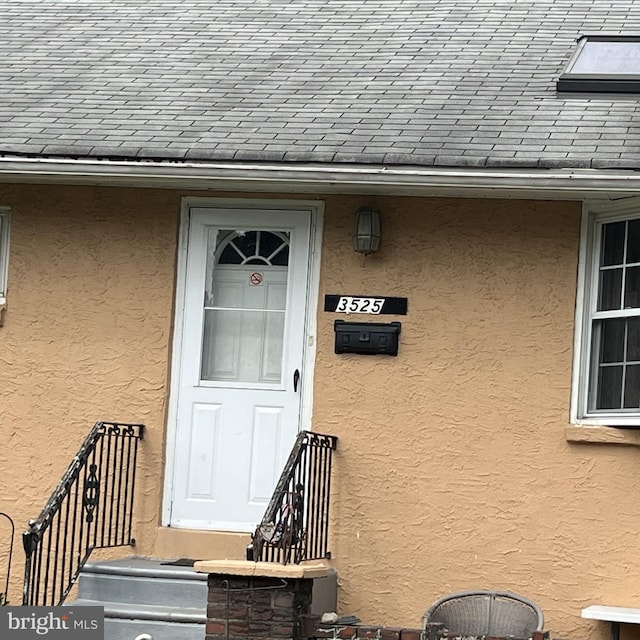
86	335
453	470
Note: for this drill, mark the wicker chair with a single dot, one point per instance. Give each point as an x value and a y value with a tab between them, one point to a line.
486	613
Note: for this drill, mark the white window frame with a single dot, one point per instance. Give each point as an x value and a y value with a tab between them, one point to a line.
5	221
593	216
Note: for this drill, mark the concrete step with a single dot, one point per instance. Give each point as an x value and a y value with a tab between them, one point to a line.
143	581
146	596
132	629
128	621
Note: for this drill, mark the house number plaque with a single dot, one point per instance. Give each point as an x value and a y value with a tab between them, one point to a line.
374	305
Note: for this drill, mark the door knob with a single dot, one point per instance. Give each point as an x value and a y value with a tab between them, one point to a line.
296	379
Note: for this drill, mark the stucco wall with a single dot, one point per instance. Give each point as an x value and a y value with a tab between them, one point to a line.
86	335
453	470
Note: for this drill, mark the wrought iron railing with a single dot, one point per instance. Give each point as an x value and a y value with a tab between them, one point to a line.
91	508
295	526
7	532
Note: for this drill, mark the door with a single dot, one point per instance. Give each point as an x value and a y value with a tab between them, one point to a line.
240	363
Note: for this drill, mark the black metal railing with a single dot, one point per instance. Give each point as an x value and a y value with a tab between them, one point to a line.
7	532
91	508
295	526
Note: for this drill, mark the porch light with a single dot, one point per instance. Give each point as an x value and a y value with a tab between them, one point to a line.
367	236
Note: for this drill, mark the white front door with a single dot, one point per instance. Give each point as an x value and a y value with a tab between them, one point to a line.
240	363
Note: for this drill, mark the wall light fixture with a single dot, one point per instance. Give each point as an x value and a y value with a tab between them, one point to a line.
367	236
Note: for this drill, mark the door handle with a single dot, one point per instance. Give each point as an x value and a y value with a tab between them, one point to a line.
296	379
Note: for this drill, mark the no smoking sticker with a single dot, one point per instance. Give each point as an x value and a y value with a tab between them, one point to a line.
255	279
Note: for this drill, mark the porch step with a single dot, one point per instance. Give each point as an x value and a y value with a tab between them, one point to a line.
126	622
141	595
143	581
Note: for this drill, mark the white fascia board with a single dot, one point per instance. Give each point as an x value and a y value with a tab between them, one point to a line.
326	178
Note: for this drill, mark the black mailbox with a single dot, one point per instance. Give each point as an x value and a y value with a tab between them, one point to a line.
368	338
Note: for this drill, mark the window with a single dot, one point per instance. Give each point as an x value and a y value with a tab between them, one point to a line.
253	247
4	254
245	304
603	63
608	371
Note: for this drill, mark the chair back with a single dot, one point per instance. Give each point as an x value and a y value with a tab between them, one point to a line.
486	613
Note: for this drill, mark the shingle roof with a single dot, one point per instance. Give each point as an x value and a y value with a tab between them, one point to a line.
424	82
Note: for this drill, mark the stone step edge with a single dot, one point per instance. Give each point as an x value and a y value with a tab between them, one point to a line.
175	572
158	613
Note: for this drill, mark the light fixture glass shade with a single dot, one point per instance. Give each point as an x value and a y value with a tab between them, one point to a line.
367	236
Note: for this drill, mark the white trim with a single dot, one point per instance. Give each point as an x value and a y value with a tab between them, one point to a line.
327	178
593	214
5	215
578	370
313	286
176	351
313	292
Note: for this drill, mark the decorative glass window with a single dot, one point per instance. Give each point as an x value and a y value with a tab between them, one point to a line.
609	368
253	247
4	253
603	63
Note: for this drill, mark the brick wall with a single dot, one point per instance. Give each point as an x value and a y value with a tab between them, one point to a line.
323	632
434	632
248	608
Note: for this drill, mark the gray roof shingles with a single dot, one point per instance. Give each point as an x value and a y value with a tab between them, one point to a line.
422	82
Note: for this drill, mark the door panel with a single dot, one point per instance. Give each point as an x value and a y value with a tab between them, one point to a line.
267	433
204	444
243	337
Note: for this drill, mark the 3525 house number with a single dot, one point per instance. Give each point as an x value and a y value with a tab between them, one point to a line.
375	305
350	304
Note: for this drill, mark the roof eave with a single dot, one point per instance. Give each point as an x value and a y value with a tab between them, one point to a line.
327	178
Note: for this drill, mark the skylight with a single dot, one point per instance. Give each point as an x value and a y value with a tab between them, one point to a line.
603	63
